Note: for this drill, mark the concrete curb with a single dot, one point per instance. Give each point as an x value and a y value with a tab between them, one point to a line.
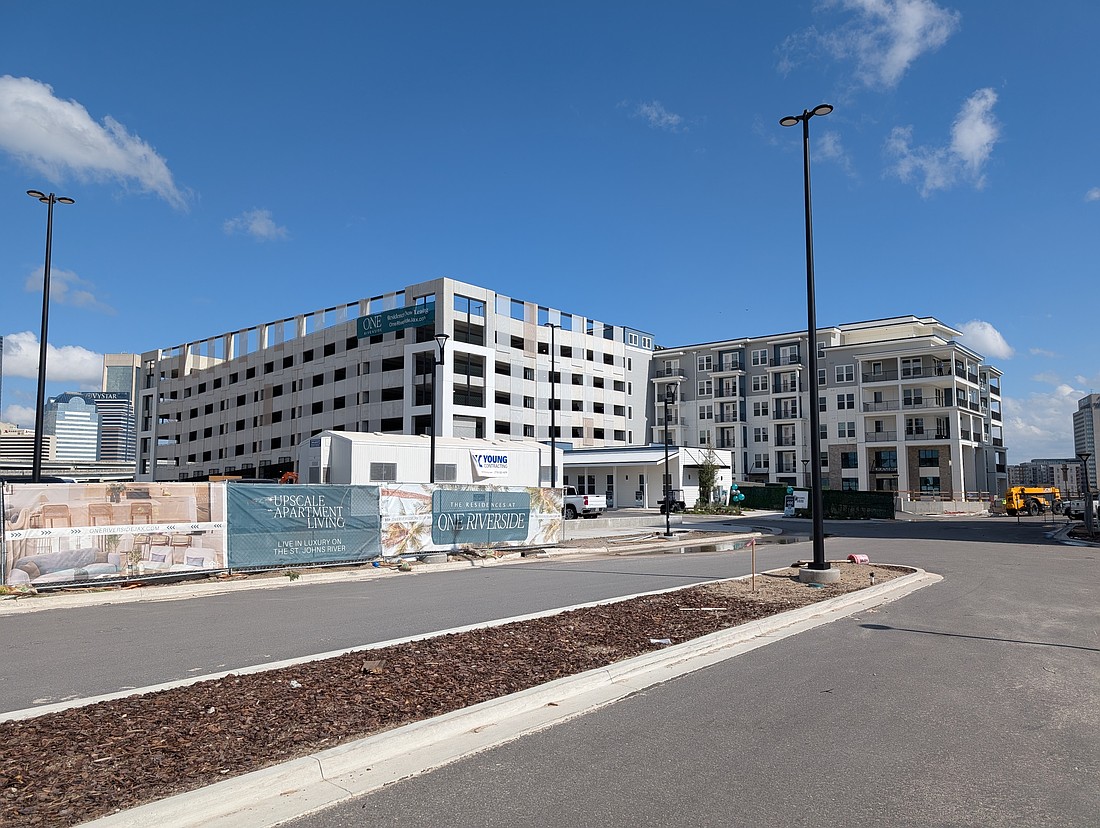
301	786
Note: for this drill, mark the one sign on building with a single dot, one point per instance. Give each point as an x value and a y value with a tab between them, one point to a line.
394	320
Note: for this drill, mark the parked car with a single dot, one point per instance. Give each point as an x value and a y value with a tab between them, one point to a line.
585	505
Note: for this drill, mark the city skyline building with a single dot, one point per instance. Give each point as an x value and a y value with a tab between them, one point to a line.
1086	420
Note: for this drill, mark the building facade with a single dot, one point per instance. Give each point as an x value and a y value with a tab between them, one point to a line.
1086	420
243	400
91	426
17	445
903	407
1064	472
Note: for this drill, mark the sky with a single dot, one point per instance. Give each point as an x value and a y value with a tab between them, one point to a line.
238	163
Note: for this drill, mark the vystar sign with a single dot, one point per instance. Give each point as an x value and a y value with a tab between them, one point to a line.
490	463
394	320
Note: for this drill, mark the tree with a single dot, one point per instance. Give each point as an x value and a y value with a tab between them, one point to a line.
708	476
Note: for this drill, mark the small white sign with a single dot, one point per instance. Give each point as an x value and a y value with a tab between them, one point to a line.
490	464
801	499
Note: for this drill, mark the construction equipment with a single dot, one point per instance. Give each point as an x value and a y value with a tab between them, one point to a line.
1033	500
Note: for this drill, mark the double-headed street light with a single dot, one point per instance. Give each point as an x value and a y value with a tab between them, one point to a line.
670	397
816	499
1084	456
437	360
40	409
553	406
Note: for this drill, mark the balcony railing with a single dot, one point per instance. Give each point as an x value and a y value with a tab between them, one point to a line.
996	415
912	434
881	436
885	405
786	441
725	392
998	441
789	359
785	414
785	388
731	365
889	375
670	373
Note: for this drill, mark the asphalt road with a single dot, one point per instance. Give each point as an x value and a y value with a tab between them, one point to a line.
56	655
972	702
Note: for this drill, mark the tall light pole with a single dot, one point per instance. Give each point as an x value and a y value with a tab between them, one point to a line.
437	360
553	406
816	499
1084	458
40	409
670	396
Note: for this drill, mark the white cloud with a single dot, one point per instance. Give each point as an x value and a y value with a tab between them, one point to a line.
69	363
56	137
1040	425
22	415
973	136
985	339
256	223
1043	352
884	37
1093	194
658	117
66	288
830	148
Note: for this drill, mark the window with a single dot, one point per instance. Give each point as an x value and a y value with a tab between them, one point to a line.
759	383
504	369
760	435
502	427
528	402
849	460
760	357
911	367
704	362
705	388
339	374
845	402
928	457
822	404
914	426
849	484
528	431
821	377
912	396
847	429
823	430
930	485
706	412
761	461
383	472
528	373
845	373
760	409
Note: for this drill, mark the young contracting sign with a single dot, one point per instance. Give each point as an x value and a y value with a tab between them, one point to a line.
413	316
490	464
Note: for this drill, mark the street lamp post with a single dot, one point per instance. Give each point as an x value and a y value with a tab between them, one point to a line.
1084	458
816	499
670	392
553	407
441	343
40	409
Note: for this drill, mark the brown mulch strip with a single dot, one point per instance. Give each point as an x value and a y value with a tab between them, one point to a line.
65	768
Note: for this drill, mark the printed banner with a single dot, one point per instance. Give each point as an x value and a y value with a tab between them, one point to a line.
479	516
302	524
413	316
418	517
60	533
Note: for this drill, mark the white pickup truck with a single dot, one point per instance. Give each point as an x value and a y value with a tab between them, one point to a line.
585	505
1076	508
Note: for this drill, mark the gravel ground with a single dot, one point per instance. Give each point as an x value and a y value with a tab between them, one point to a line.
69	767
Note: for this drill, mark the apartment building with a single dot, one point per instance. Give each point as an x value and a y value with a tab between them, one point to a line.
1063	472
1086	422
241	401
903	406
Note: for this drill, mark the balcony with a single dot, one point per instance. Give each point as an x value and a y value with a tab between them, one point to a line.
726	392
785	441
789	359
755	469
971	377
912	434
785	414
785	388
728	367
994	389
724	417
996	415
786	468
890	375
998	441
881	436
885	405
670	373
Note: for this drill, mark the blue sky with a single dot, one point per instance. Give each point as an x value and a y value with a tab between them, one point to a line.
235	163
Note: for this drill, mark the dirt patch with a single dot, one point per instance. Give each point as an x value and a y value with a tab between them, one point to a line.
65	768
